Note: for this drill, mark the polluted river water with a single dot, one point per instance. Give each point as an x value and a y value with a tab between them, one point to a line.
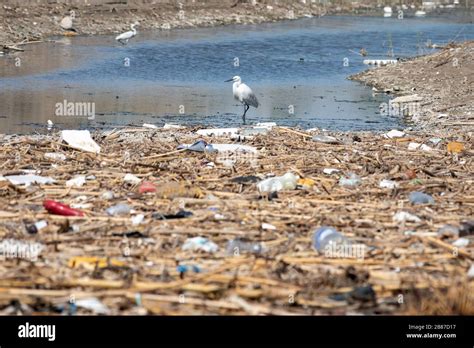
298	70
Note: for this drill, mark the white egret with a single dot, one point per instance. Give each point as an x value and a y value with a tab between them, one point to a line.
124	37
243	94
67	22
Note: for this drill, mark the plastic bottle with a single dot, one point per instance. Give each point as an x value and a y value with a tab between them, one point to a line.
278	183
119	209
327	235
238	246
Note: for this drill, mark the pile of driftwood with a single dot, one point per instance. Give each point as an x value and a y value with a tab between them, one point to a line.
141	202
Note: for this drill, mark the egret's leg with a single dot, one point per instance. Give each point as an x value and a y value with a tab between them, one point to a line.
246	108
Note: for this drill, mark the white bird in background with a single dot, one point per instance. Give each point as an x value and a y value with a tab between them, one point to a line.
66	22
124	37
243	94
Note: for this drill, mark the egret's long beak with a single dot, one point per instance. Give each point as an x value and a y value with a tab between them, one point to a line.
229	80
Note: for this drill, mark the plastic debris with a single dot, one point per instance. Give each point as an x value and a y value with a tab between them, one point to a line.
147	186
119	209
420	198
251	132
435	141
80	140
461	242
137	219
29	179
326	139
57	208
200	243
148	125
416	146
107	195
93	304
234	148
403	216
203	146
131	179
306	183
278	183
394	134
352	180
36	227
198	146
266	226
218	132
78	181
388	184
239	246
330	171
55	156
188	268
448	230
172	126
268	125
470	273
455	147
327	236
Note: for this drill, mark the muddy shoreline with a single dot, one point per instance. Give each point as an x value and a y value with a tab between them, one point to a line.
33	22
436	89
